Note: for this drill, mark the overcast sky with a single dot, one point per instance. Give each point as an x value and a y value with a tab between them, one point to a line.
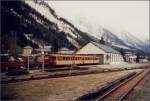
132	16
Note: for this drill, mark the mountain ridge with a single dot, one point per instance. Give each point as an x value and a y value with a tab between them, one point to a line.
46	28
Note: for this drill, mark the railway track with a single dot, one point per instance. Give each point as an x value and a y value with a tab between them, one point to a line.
83	71
13	79
118	89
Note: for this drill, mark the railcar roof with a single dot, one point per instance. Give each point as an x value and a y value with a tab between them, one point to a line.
70	55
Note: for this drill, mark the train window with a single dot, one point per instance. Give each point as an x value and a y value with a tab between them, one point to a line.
59	58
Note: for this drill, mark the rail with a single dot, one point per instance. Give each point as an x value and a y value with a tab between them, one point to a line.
109	88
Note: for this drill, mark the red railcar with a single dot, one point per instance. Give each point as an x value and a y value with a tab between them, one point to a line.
61	59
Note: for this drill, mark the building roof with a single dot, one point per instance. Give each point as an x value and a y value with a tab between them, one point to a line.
64	49
48	47
107	49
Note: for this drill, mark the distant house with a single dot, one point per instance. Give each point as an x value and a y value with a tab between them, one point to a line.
46	49
130	57
106	54
65	51
143	59
27	50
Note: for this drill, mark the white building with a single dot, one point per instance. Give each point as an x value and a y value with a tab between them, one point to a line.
107	54
130	57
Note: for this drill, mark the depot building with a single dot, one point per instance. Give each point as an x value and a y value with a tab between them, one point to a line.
107	55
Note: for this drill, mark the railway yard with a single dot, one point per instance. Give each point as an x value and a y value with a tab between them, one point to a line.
89	82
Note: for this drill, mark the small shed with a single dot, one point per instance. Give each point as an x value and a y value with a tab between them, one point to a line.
130	57
106	54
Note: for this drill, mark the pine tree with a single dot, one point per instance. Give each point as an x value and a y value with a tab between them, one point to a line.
102	41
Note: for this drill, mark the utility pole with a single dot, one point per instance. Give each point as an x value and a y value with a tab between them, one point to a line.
43	58
72	65
43	61
149	44
28	63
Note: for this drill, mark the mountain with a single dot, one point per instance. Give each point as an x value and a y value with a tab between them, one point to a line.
132	41
36	24
115	38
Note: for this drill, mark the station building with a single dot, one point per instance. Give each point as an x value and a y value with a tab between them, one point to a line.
107	55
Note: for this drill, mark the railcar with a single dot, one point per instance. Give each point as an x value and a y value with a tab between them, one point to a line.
62	60
9	63
50	60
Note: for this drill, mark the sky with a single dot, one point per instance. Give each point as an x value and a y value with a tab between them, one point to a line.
131	16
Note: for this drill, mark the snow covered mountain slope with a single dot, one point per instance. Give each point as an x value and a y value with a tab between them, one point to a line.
72	33
117	38
38	19
47	28
94	31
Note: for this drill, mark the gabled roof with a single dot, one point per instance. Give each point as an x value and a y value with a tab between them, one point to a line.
107	49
